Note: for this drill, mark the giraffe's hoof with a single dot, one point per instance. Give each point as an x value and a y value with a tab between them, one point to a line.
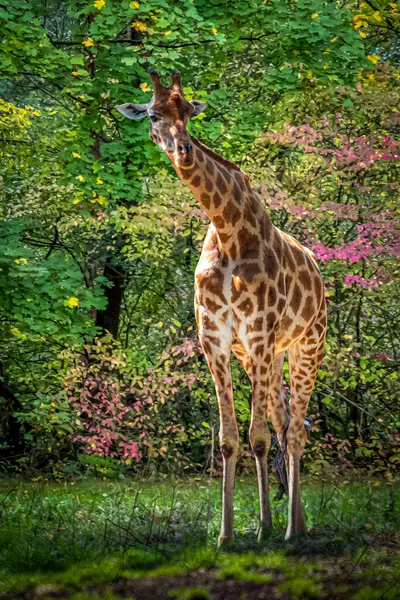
225	539
264	532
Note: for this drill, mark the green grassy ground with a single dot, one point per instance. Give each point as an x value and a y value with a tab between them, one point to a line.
157	540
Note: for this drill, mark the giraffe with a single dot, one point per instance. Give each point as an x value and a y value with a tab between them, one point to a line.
258	294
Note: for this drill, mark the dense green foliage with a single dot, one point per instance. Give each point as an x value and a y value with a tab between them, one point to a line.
98	236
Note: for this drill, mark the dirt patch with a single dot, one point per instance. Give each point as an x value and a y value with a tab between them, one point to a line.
160	588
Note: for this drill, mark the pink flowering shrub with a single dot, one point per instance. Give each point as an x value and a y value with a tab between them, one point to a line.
151	419
108	426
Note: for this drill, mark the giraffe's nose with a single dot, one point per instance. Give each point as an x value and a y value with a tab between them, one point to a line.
185	148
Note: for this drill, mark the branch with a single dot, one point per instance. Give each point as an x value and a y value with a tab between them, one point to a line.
53	243
10	141
129	42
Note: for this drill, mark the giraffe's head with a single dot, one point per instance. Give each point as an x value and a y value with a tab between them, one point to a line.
169	112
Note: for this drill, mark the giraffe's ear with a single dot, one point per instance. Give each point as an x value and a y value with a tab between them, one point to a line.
133	111
198	107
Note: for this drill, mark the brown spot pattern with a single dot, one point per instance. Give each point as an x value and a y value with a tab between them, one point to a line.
248	243
220	183
231	213
205	200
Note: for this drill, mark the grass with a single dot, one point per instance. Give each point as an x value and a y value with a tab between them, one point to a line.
96	539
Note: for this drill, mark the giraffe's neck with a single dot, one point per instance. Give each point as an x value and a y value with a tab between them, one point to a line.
220	186
224	191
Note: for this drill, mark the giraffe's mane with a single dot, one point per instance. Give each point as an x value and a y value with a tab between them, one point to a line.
214	155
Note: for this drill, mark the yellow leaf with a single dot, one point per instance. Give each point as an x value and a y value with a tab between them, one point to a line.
377	16
99	181
394	109
333	40
80	178
88	42
168	32
15	331
75	201
99	4
76	155
145	87
134	5
214	31
72	302
101	199
362	34
315	16
326	66
75	73
359	18
139	26
374	58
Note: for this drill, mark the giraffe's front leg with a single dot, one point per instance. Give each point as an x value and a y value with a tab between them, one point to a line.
217	347
260	437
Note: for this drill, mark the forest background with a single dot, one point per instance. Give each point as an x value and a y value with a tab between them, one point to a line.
100	368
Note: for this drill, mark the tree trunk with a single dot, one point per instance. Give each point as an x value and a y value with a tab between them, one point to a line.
108	319
10	425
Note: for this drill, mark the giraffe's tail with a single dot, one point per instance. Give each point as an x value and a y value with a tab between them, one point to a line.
280	468
280	461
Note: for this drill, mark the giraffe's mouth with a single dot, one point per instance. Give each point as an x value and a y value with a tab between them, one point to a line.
183	154
185	164
184	161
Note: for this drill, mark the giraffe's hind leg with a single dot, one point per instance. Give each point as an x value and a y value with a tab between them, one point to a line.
278	412
304	361
278	406
242	357
259	370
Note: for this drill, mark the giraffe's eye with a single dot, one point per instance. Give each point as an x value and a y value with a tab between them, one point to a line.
153	118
